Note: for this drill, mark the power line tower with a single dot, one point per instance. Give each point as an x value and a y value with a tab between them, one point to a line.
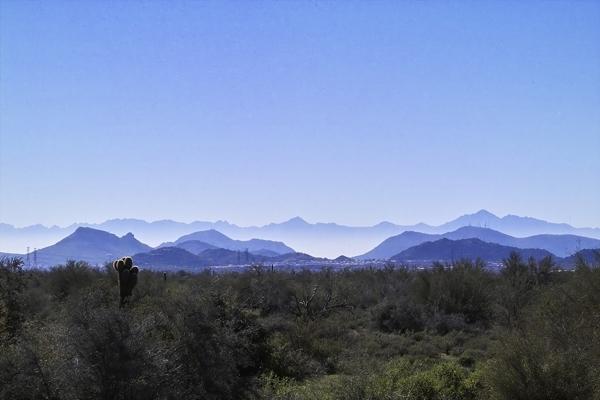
34	257
28	262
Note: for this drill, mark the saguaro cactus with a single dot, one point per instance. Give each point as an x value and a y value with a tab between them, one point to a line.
127	277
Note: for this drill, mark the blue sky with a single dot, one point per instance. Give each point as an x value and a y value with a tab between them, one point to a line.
353	112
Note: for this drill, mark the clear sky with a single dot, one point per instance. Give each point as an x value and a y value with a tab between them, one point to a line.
254	112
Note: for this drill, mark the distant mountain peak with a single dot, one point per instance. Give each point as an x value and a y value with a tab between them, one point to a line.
385	224
296	221
484	213
220	240
481	215
205	236
480	218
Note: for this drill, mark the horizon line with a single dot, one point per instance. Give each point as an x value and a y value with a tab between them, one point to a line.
297	217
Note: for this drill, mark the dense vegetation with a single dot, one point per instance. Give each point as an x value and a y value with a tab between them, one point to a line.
448	332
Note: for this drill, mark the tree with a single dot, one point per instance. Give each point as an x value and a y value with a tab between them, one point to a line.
12	285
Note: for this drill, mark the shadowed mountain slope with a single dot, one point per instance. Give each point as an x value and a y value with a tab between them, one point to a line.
560	245
219	240
449	250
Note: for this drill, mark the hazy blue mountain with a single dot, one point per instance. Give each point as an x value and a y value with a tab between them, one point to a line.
157	231
16	240
210	236
449	250
220	240
32	229
482	219
560	245
485	234
515	225
396	244
324	239
91	245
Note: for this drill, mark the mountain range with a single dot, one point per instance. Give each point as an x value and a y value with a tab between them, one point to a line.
91	245
323	239
449	250
559	245
219	240
97	247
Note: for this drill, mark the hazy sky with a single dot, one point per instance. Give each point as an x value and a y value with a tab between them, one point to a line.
353	112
